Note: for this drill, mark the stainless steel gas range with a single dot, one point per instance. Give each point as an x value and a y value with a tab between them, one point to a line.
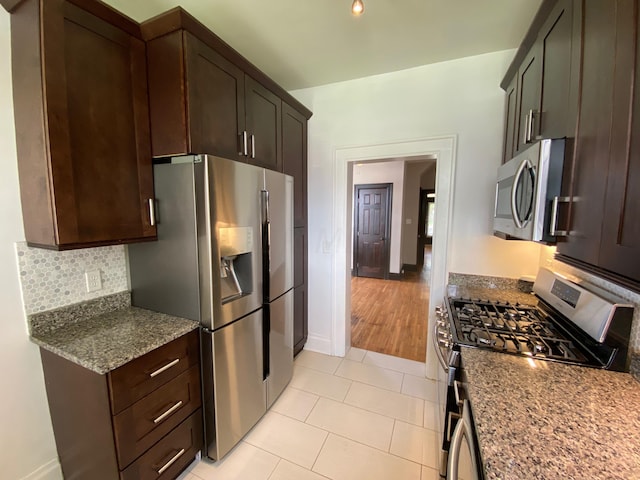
565	322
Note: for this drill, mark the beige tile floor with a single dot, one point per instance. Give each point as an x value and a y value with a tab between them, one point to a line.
367	416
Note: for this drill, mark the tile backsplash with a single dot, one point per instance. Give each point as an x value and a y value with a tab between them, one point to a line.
50	279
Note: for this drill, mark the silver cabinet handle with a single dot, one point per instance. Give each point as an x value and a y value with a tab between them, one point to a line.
171	461
243	142
172	409
530	130
525	137
253	146
152	211
495	202
166	367
553	227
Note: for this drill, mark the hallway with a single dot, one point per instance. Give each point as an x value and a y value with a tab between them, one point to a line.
390	316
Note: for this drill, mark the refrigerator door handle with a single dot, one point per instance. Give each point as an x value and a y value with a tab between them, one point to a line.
265	206
266	245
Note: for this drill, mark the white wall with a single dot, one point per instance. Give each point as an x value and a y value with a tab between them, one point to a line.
411	209
387	172
460	97
27	447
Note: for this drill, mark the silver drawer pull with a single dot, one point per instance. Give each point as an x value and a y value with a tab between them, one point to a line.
166	367
170	462
168	412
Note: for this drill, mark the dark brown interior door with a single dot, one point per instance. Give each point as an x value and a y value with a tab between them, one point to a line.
373	207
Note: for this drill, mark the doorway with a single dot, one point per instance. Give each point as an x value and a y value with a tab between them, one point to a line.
443	148
425	223
372	230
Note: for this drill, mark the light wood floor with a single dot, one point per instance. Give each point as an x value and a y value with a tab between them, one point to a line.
390	316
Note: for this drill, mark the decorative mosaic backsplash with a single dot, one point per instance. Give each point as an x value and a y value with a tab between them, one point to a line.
51	279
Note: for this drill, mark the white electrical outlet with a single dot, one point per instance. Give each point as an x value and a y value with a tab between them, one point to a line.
94	280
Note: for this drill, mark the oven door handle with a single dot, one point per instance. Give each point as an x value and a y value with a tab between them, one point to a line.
439	354
463	430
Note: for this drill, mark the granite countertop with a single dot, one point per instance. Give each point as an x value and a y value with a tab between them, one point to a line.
107	341
495	294
544	420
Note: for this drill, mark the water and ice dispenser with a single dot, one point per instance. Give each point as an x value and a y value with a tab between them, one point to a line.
236	249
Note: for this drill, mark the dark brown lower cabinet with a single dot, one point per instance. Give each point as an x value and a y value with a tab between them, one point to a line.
148	435
300	330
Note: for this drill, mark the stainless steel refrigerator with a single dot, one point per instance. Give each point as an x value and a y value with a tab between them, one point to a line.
224	257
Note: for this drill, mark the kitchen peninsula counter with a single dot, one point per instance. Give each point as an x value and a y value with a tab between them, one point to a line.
104	334
544	420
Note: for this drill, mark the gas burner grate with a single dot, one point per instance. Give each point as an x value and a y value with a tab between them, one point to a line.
512	328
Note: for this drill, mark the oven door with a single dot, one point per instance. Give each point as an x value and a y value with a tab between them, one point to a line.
463	459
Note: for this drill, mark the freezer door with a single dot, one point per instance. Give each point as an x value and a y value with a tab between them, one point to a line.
279	241
233	385
280	369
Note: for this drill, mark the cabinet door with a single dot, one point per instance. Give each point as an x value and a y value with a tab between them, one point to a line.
299	256
299	318
511	121
529	79
620	247
98	129
294	160
556	41
591	155
263	124
215	101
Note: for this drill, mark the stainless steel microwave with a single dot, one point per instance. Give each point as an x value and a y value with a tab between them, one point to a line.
527	193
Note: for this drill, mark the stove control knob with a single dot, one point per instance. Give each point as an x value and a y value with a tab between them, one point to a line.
443	342
440	311
442	323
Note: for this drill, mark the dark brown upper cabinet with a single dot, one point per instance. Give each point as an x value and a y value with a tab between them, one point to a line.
510	141
82	124
538	82
263	116
604	207
206	98
294	154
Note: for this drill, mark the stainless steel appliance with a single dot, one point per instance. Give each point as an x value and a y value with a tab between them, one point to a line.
224	257
528	193
566	322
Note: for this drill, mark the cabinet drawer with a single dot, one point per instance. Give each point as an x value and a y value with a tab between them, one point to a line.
171	454
144	423
143	375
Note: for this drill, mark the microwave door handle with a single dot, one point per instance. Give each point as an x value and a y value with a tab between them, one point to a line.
495	203
514	188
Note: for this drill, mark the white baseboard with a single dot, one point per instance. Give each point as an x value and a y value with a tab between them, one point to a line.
49	471
319	344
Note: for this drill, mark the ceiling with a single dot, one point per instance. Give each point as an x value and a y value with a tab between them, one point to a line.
306	43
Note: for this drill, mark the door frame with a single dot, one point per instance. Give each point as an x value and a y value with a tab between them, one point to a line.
387	224
337	339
